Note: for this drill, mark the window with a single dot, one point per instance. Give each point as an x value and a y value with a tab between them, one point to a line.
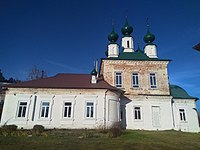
182	114
118	79
44	110
67	110
89	110
22	109
128	44
135	80
137	113
153	80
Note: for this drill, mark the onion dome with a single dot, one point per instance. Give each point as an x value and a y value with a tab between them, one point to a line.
113	36
149	37
126	29
94	72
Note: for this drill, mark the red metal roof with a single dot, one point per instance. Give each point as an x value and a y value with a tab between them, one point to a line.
65	81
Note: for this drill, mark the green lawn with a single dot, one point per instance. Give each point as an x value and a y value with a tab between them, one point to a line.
90	139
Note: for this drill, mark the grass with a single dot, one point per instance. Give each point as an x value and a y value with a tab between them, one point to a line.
91	139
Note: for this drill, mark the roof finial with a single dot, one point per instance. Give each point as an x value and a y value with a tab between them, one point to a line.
147	21
126	14
113	24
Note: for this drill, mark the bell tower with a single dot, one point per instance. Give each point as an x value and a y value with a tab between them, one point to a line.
150	48
127	39
113	47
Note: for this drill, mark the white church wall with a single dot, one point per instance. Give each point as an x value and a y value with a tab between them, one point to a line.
161	119
98	100
188	121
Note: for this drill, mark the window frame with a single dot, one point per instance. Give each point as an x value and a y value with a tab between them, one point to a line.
91	110
136	77
182	115
67	106
137	113
153	80
43	116
117	79
22	111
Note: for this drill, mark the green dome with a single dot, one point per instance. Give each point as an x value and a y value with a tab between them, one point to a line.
126	29
149	37
179	93
113	36
94	72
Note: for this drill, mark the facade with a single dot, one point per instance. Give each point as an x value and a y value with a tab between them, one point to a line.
132	88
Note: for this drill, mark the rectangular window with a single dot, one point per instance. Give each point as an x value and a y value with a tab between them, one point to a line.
67	110
182	114
89	110
135	80
44	110
153	83
128	44
137	113
22	109
118	79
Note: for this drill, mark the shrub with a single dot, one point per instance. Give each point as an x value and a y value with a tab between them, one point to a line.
101	129
8	129
115	130
88	133
38	129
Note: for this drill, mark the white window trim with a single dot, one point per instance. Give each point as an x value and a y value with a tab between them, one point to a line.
141	113
184	110
155	79
72	104
27	104
94	110
49	113
116	80
132	80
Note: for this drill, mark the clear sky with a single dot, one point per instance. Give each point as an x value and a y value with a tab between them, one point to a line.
66	36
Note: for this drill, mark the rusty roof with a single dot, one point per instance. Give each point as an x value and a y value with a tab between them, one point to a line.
65	81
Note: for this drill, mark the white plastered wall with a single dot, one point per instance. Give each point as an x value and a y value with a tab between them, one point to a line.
102	99
146	103
191	124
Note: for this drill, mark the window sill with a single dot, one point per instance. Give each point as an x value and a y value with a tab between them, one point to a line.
122	88
65	118
21	119
136	88
183	122
138	120
90	118
44	119
153	88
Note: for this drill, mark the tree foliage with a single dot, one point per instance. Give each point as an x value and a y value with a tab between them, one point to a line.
10	80
36	73
2	79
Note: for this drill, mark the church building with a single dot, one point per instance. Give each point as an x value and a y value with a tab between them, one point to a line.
131	87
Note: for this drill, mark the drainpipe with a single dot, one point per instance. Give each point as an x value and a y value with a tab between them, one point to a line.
50	117
104	118
27	119
173	113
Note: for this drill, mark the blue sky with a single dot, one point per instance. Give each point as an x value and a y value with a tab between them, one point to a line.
66	36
